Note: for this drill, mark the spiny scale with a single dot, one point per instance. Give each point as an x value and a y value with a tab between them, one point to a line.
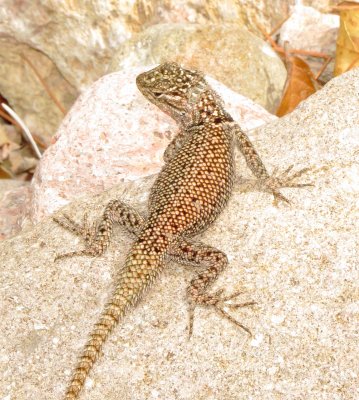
189	193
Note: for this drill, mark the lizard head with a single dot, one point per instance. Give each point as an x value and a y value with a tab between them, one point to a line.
171	87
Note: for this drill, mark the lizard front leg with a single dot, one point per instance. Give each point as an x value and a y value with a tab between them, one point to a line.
177	142
214	261
269	183
174	145
97	236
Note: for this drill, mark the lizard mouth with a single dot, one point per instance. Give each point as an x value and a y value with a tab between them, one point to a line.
151	95
157	94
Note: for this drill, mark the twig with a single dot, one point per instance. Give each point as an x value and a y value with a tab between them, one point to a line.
280	49
37	139
8	118
25	129
323	68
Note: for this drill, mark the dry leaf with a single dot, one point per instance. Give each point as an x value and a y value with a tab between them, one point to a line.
5	144
4	139
16	160
300	82
299	85
347	54
5	174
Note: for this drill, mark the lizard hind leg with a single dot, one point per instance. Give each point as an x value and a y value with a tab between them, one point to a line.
215	262
97	236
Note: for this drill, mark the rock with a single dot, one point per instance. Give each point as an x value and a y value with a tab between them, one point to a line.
69	63
255	70
101	28
24	91
113	133
309	29
324	6
15	197
298	262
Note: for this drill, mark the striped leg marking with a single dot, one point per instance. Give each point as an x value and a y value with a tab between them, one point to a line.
214	261
97	236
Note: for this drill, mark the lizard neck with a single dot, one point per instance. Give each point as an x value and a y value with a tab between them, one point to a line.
205	108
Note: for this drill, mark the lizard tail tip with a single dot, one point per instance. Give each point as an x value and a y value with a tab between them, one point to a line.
74	389
90	354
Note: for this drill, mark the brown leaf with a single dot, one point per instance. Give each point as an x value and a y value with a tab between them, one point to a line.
347	54
6	144
299	85
4	139
4	173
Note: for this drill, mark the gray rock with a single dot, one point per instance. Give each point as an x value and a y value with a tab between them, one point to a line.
44	32
299	263
254	70
101	27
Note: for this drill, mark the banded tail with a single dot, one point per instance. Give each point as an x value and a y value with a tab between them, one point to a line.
143	265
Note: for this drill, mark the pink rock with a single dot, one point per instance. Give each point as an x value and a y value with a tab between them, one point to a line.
113	133
309	29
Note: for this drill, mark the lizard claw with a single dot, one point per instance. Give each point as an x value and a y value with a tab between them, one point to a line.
219	304
284	180
86	231
84	252
223	313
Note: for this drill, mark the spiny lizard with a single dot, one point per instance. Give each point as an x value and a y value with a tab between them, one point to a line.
189	193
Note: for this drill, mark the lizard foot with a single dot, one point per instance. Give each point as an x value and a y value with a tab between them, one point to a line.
88	232
284	180
68	223
219	304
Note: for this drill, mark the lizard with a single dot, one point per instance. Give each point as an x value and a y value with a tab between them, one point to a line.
189	193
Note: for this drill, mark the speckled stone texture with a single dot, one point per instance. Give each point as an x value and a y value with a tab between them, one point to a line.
299	262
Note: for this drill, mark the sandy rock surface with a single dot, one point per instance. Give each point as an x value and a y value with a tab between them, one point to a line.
298	262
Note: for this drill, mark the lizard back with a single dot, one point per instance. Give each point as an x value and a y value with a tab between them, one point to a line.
195	184
194	187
